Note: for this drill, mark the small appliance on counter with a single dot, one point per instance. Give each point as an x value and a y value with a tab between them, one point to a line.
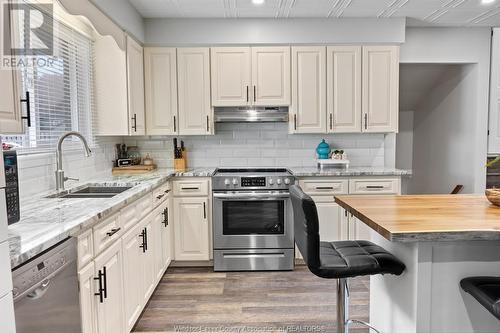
11	186
128	161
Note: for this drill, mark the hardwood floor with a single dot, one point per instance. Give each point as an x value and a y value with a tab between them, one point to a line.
200	300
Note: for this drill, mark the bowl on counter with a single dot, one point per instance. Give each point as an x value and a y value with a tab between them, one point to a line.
493	195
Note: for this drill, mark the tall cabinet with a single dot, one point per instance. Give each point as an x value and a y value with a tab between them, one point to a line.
243	76
135	87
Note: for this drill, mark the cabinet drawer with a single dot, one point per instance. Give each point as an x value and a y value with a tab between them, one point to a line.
374	186
324	186
161	194
195	187
106	232
133	213
85	248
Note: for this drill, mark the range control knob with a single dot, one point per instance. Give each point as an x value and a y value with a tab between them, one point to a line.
227	182
287	181
271	181
278	181
235	181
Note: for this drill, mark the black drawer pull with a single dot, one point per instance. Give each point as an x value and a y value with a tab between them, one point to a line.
100	292
165	217
144	245
204	210
160	196
190	188
113	231
377	187
324	188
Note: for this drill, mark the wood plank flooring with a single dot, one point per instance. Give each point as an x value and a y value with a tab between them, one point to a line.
199	300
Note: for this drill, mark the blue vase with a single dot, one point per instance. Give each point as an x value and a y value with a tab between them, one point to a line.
323	150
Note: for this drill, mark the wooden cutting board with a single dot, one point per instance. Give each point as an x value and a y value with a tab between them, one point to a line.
131	169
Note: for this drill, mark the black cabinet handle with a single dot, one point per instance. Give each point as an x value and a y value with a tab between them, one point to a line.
105	279
324	188
190	188
208	126
146	237
28	108
101	289
134	118
113	231
160	196
366	120
379	187
295	121
143	246
204	210
167	191
165	217
254	93
247	94
331	120
175	125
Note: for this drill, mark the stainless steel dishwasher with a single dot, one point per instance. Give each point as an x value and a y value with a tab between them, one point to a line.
46	297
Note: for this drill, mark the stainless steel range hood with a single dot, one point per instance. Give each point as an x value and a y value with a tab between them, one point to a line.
251	114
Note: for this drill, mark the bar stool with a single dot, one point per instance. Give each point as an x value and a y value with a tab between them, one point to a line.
486	290
337	260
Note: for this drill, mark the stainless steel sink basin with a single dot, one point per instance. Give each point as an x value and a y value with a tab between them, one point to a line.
92	191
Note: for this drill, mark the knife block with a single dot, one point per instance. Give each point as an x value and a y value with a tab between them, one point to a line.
180	164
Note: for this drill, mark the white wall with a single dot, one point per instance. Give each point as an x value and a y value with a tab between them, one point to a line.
124	14
459	46
179	32
261	144
444	134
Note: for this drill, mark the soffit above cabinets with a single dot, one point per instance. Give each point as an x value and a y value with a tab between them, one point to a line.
420	12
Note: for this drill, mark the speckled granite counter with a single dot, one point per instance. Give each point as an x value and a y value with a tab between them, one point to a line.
46	221
350	172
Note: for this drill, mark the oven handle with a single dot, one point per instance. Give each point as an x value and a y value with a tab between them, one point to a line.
251	195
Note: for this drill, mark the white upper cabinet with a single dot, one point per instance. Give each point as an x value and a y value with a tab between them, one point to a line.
271	75
494	118
344	89
308	109
161	90
231	76
195	110
380	91
135	76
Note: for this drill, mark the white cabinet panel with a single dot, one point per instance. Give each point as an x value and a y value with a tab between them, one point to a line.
380	93
331	227
3	212
231	76
271	75
344	89
494	118
111	87
167	240
367	185
5	269
135	76
193	71
159	227
7	312
191	229
160	66
88	300
110	312
308	110
85	248
149	259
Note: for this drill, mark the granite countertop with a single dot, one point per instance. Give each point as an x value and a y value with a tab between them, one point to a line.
47	221
352	171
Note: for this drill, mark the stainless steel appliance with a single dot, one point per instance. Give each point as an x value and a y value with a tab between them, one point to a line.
250	114
11	186
46	298
252	219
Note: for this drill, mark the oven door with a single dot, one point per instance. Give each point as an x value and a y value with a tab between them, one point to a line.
252	220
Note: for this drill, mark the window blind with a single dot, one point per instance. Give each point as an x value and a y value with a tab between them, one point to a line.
61	89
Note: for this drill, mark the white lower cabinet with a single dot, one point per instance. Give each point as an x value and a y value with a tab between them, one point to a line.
149	259
331	227
108	266
7	311
191	228
88	300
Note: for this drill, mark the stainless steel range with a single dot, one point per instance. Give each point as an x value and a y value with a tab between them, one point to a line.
252	219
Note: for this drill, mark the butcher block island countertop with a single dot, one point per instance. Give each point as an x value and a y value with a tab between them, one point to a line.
415	218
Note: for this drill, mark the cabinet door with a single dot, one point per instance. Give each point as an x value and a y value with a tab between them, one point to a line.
133	268
135	73
167	235
160	66
231	75
193	72
110	312
331	227
494	118
380	88
149	259
344	89
110	76
308	89
271	75
191	229
158	228
87	298
8	317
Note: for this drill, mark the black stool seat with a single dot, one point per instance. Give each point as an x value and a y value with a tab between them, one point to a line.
345	259
486	290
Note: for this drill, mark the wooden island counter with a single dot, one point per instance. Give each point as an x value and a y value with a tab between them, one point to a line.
441	239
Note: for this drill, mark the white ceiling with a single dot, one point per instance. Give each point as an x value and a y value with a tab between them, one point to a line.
434	12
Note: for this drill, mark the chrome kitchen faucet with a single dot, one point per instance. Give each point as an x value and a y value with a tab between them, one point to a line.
60	178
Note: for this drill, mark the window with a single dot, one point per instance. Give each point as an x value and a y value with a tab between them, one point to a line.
61	94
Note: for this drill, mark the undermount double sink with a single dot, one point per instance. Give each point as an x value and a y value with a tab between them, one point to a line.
91	191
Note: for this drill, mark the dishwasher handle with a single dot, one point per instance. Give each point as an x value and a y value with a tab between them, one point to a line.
40	291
